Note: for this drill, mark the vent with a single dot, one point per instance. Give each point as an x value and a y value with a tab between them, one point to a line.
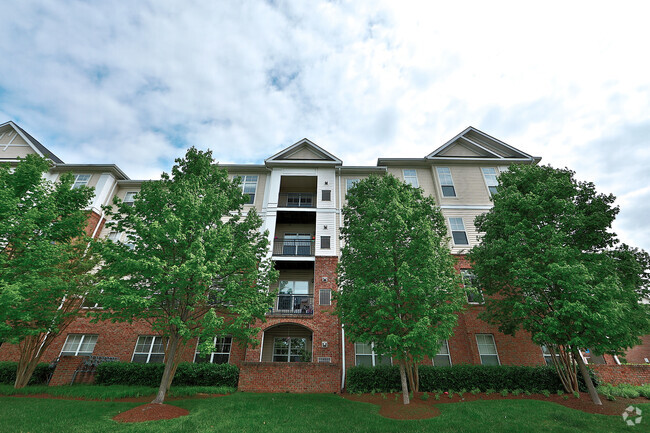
325	359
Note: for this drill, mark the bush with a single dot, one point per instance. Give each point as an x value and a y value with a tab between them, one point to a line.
187	374
41	374
482	377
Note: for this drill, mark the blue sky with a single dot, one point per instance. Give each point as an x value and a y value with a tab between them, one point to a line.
136	83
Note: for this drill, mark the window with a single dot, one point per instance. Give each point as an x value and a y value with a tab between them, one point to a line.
294	297
349	183
80	180
220	354
327	195
473	292
325	242
548	357
490	176
119	237
79	345
115	236
446	182
248	186
365	355
458	231
149	349
443	357
290	349
129	198
411	177
487	349
297	244
325	297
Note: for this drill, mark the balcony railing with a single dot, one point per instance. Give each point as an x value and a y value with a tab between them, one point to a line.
293	247
294	304
297	199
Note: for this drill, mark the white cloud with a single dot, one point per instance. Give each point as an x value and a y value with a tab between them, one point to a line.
137	83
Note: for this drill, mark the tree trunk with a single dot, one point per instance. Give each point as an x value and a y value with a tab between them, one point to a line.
416	373
168	373
31	350
409	372
585	375
405	389
565	367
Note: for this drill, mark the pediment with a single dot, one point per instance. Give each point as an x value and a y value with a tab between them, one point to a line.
473	143
304	151
15	143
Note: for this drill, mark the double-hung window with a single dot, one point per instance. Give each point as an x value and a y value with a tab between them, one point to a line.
443	357
291	349
80	180
149	349
365	355
79	345
349	183
446	182
129	198
249	187
487	349
490	176
473	292
548	356
458	233
220	354
411	177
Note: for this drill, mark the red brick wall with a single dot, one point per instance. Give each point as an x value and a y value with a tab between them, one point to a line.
93	219
617	374
296	377
65	370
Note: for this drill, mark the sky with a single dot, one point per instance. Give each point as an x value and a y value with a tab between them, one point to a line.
137	83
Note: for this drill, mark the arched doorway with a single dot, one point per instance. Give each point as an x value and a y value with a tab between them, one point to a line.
287	342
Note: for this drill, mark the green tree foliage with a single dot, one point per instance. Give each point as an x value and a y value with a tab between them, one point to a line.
552	266
44	260
193	265
398	286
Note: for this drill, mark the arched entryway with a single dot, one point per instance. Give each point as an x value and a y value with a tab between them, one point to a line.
287	342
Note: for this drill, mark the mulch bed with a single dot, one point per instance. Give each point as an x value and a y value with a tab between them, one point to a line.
151	412
392	407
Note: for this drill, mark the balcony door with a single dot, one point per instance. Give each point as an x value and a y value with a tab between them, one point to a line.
297	244
294	297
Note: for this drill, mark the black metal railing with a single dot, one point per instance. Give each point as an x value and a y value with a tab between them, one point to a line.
297	199
293	304
293	247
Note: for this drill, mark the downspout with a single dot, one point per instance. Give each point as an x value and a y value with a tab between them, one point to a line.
101	217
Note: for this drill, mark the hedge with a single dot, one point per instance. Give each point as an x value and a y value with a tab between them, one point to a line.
458	377
41	374
187	374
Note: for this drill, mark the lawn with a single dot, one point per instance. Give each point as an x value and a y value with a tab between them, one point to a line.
243	412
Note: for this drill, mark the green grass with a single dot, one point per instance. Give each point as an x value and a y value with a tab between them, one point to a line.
243	412
111	392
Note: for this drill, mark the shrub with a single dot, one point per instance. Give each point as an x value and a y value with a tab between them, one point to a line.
41	374
425	396
481	377
187	374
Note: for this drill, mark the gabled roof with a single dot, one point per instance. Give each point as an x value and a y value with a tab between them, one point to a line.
475	144
304	151
33	143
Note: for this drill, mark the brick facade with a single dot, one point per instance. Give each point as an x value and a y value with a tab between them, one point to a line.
618	374
290	377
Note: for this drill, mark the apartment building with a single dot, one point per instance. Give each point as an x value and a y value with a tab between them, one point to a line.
299	193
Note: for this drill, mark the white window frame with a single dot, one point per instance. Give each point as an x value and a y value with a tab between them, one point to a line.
349	183
443	351
490	179
548	357
79	344
246	182
494	344
150	352
79	183
445	180
411	178
291	354
129	197
374	356
219	342
454	227
468	275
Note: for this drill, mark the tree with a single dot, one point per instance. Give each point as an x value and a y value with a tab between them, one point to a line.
45	258
398	286
551	266
192	266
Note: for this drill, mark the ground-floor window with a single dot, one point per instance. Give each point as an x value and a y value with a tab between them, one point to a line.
548	357
291	349
487	349
365	355
220	354
443	357
79	345
149	349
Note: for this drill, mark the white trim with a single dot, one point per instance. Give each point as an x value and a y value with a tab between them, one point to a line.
27	140
473	143
81	342
466	206
478	347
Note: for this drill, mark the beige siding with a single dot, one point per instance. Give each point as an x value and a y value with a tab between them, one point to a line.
297	275
282	229
283	331
11	136
14	152
468	216
305	154
460	150
469	184
425	180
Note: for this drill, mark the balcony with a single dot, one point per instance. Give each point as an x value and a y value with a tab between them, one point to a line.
294	247
297	199
294	304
